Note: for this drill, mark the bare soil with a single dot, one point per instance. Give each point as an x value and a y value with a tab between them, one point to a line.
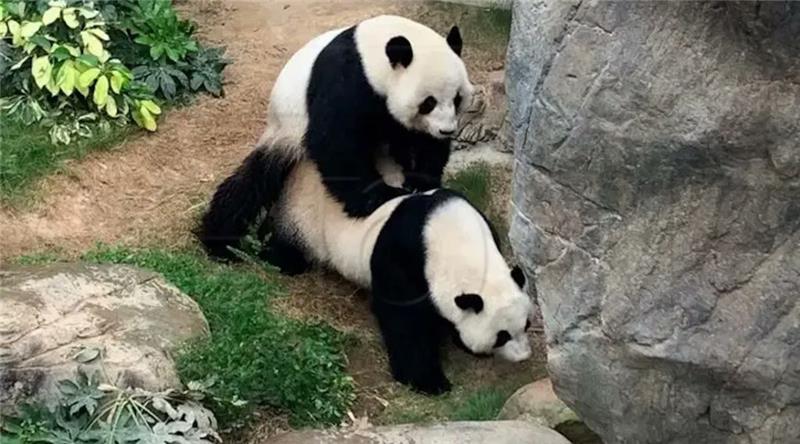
150	189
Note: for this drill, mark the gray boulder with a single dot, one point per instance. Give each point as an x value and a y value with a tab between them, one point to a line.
122	319
466	432
657	202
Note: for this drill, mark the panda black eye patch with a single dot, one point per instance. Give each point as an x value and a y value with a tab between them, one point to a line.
502	337
427	105
457	101
527	325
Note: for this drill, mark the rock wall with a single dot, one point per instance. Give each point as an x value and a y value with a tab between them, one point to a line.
657	201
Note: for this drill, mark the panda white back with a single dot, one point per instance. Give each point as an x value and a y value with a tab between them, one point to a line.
319	225
287	113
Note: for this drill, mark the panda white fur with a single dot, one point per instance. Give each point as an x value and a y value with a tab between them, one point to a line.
432	262
387	83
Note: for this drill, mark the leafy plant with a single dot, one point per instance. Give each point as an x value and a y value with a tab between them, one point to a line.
91	411
205	68
63	49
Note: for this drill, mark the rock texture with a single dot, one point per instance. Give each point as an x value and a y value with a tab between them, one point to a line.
50	314
494	432
657	202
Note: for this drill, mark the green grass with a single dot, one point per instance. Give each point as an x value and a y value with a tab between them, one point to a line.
464	403
485	28
255	355
475	182
483	405
26	155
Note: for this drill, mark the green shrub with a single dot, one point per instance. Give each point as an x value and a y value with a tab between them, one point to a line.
92	411
73	64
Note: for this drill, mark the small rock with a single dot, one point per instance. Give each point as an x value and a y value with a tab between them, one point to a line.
56	317
537	403
467	432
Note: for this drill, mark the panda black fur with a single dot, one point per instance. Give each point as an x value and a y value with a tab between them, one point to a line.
388	83
432	262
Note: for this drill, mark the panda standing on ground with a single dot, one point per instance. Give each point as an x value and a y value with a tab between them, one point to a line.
387	84
432	263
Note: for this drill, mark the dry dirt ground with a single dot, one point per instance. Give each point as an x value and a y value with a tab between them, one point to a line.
150	189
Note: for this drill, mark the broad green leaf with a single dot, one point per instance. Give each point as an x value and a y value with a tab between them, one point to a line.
117	80
58	4
41	69
111	107
101	91
88	13
89	60
75	52
151	106
70	18
67	76
148	122
59	52
84	90
41	41
93	45
99	33
51	15
28	29
13	27
88	76
53	87
3	29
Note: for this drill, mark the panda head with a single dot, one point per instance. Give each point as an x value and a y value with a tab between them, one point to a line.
496	323
419	72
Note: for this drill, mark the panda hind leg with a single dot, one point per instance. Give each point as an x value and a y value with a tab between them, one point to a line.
284	254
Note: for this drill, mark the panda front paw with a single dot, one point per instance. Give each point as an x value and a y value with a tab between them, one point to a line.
432	386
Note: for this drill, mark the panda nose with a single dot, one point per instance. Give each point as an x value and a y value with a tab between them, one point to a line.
447	132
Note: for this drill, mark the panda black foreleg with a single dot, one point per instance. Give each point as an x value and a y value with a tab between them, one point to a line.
411	337
353	179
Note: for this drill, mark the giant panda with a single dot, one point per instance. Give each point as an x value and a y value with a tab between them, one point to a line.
386	86
433	265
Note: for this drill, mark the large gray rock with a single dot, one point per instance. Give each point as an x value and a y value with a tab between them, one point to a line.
466	432
657	202
51	314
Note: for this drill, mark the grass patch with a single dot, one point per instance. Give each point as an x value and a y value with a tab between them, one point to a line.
464	403
484	28
483	405
255	355
475	183
26	155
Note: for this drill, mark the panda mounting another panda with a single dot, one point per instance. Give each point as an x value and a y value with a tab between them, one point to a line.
359	118
388	85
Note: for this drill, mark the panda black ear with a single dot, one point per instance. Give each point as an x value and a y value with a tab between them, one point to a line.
399	51
470	301
518	276
454	40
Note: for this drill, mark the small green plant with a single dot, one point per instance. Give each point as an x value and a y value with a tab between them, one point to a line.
91	411
61	48
254	354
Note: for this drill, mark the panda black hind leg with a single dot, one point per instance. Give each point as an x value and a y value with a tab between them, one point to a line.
282	252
